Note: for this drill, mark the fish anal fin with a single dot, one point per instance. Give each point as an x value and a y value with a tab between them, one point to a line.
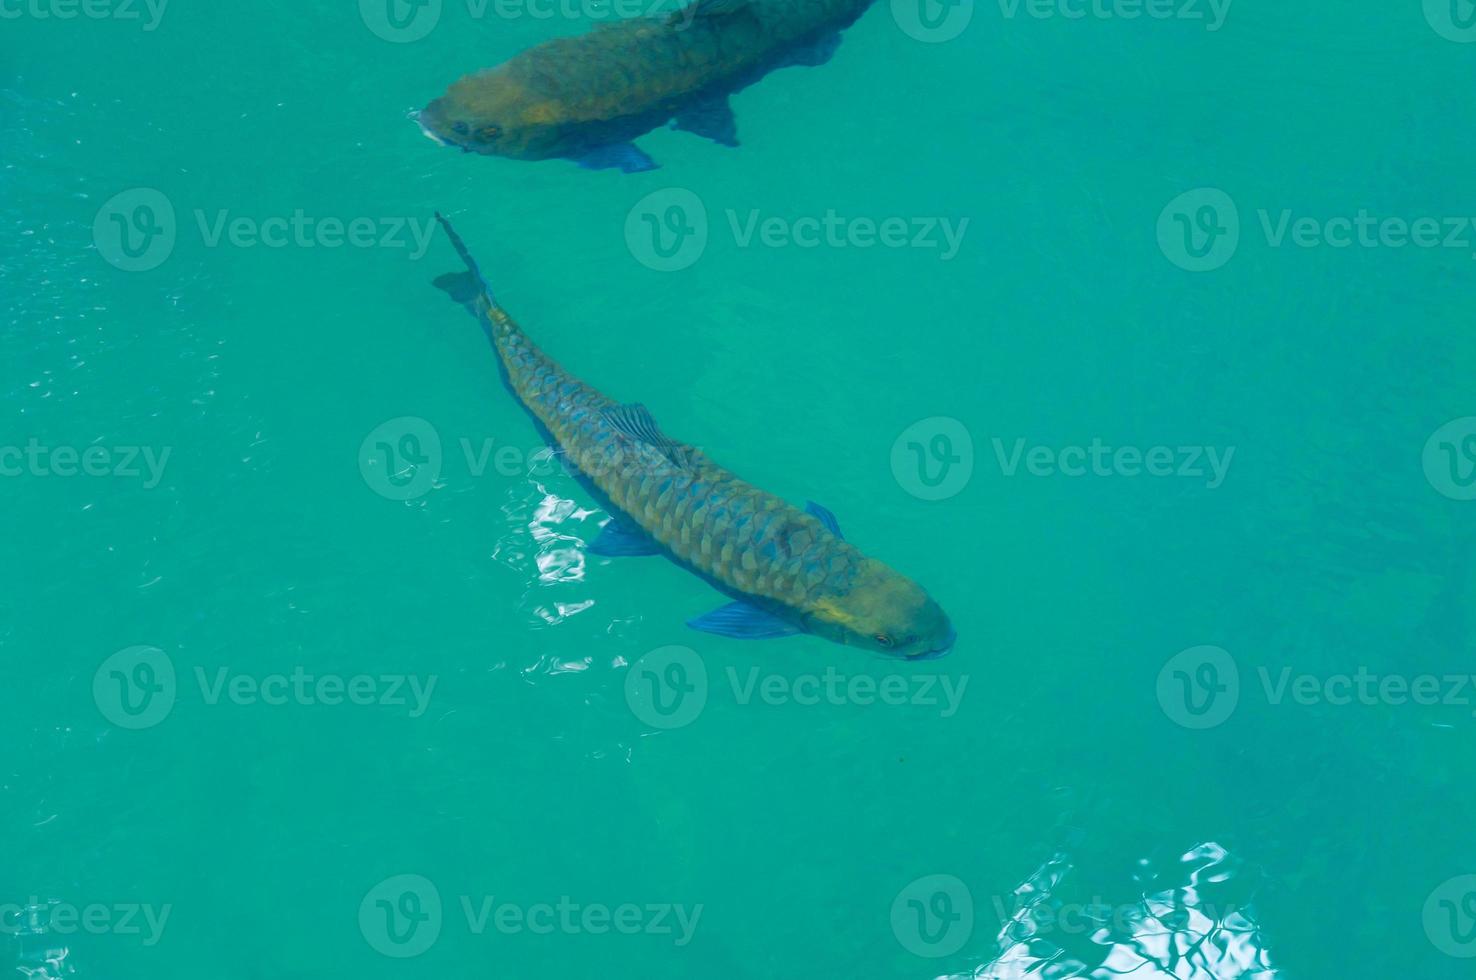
626	157
712	119
817	52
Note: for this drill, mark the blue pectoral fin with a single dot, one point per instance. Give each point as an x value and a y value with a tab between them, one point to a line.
618	540
825	517
740	621
713	120
626	157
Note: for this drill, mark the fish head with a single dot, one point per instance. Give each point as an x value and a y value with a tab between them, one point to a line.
885	611
495	114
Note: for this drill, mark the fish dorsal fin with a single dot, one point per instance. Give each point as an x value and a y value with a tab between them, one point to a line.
636	422
825	517
705	8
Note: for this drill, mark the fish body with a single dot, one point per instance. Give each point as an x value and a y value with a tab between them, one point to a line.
587	98
788	570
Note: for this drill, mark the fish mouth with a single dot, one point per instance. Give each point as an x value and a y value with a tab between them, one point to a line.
940	651
419	119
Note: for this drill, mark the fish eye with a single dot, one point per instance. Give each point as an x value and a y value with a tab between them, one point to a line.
883	639
461	129
489	133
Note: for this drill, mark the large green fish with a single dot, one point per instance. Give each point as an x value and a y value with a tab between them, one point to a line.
788	571
587	98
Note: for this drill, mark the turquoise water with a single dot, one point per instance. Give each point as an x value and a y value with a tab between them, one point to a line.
1171	739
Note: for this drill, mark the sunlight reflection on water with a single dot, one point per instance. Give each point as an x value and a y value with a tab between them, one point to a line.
556	526
1187	931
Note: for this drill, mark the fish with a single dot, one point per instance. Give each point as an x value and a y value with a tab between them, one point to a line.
587	98
786	571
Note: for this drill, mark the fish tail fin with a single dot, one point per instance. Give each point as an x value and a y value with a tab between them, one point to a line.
470	287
